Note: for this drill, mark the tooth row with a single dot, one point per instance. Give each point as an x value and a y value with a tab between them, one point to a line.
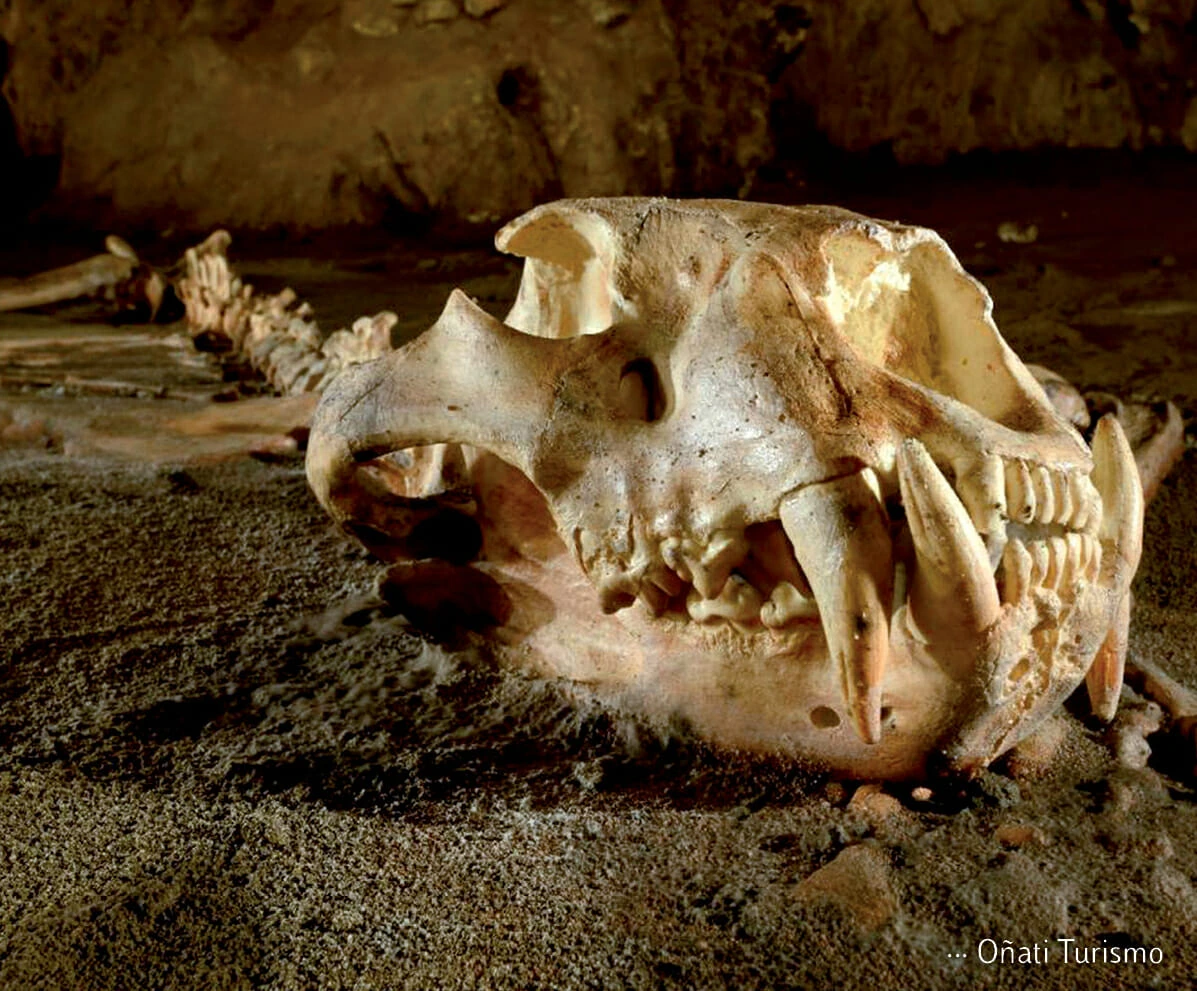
995	490
1058	564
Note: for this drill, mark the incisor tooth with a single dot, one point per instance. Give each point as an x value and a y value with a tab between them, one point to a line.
1045	494
1057	561
1074	571
1016	572
839	530
1063	496
1020	496
1116	479
1086	504
982	489
953	596
785	605
1039	558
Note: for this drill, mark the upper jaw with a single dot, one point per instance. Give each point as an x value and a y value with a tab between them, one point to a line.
844	575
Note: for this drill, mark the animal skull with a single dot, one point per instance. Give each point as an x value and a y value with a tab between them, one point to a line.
769	468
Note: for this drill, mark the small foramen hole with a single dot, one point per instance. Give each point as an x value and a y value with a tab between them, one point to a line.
824	717
1019	671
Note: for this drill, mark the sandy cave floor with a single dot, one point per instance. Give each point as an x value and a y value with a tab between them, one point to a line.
224	765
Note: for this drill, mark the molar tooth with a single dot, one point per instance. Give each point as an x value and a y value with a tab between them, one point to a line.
1020	494
1045	494
738	602
839	530
655	600
982	489
725	551
953	596
785	605
1016	572
1116	479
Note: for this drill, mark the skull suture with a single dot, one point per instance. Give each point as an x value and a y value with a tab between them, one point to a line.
771	469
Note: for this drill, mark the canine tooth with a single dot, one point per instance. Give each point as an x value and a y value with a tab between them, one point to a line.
1104	677
785	605
1057	561
1045	494
738	602
1117	481
953	595
1020	496
1016	572
982	488
839	530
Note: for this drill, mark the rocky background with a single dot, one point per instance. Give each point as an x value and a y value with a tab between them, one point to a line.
309	113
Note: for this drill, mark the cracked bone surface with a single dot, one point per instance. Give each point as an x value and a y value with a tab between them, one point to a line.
772	470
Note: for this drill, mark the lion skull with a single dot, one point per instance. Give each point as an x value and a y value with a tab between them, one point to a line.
772	469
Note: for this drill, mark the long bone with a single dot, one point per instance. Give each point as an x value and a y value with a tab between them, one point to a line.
118	275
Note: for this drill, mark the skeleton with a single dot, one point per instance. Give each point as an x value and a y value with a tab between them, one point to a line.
770	469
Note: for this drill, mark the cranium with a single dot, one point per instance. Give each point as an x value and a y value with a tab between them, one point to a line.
771	469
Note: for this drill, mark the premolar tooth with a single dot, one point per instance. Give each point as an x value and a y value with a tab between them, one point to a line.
1117	481
1020	496
953	596
982	488
1045	494
839	530
738	602
665	580
615	594
1016	572
771	559
785	605
655	601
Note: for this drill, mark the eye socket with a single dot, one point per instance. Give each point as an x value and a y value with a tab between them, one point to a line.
640	393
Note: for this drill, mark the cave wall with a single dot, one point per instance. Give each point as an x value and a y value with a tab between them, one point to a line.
308	113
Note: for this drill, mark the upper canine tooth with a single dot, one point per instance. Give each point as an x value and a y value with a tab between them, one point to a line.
1020	493
787	604
1116	478
982	488
738	601
839	530
1045	494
